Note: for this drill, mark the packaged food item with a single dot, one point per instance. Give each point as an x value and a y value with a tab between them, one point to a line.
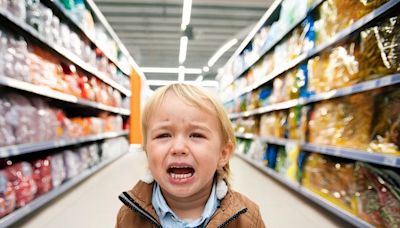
343	122
270	155
6	130
20	176
58	169
386	123
21	117
42	175
331	178
294	123
377	197
273	124
336	15
7	195
34	15
72	163
290	167
17	8
317	81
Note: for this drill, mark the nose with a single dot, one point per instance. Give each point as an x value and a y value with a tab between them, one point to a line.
179	146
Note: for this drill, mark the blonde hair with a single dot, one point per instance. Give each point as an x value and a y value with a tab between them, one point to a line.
194	96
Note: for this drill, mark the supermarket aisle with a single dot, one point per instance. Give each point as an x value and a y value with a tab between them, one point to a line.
94	203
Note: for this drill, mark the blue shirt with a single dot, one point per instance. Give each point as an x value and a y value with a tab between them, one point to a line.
169	219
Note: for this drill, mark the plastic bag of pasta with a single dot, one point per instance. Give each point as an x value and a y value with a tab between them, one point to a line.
354	121
331	178
386	123
317	80
377	195
343	67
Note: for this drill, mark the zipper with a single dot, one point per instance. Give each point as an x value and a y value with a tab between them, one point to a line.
131	204
235	216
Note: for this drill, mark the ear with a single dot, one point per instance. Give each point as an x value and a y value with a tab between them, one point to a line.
225	154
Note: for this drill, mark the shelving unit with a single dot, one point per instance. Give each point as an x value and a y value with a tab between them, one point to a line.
55	6
233	91
48	197
356	27
70	106
15	150
266	49
360	87
360	155
47	92
306	193
67	55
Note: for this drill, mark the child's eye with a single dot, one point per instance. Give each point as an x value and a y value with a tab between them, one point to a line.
197	135
163	135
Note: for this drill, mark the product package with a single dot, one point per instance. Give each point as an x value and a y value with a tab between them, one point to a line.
331	178
7	195
23	184
42	175
377	195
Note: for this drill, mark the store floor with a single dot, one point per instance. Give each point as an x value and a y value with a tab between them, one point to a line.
94	202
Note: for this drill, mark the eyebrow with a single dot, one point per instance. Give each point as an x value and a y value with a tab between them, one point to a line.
167	125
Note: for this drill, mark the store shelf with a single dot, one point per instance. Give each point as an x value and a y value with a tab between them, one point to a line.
60	11
63	52
15	150
355	27
360	87
307	193
358	155
266	49
47	92
48	197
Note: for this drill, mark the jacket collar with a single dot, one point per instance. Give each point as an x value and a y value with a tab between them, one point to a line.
141	194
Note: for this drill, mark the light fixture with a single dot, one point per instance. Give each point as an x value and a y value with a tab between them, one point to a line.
181	74
168	70
221	51
206	69
187	8
183	49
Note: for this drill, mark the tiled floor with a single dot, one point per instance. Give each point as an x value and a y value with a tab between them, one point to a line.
94	203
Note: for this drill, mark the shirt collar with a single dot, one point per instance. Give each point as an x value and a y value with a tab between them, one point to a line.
165	213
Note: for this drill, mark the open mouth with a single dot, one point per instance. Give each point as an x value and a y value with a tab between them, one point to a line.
180	171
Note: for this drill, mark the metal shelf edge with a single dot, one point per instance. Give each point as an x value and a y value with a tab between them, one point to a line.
20	149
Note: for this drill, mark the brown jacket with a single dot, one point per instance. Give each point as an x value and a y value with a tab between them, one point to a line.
235	210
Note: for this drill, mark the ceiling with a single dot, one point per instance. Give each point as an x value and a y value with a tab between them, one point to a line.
151	30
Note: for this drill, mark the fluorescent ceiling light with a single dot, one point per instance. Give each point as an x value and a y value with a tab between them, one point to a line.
221	51
206	69
183	49
167	82
187	8
181	74
168	70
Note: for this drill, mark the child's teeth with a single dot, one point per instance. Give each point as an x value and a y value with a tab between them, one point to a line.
181	176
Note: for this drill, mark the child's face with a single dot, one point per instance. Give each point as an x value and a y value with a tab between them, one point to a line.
184	147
